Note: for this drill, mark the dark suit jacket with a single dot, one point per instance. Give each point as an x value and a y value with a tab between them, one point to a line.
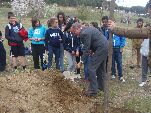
92	39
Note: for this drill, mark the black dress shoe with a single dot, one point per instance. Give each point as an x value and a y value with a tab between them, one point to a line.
131	67
90	94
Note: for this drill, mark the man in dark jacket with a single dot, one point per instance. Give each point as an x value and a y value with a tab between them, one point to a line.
93	40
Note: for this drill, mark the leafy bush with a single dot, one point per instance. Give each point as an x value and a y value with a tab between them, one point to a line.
5	4
83	12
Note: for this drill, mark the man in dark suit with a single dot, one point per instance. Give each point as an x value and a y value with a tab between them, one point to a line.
93	40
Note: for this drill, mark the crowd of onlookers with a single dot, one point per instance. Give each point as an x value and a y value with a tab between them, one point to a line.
56	39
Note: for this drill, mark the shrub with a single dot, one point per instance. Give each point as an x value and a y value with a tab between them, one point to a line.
83	12
5	4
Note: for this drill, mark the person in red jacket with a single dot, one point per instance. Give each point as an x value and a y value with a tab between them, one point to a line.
15	41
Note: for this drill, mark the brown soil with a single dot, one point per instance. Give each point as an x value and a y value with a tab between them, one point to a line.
42	92
45	92
120	110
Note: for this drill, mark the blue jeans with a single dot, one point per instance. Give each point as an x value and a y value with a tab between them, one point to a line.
53	50
145	68
61	59
86	62
117	57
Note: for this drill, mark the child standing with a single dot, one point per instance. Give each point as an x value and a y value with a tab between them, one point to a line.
136	45
61	20
2	54
118	45
15	41
144	52
104	27
53	38
71	46
37	36
62	24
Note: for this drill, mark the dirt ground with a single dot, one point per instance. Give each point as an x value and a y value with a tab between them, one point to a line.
39	92
49	92
45	92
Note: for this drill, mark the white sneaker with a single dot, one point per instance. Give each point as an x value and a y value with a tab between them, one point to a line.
78	76
122	79
142	84
67	74
113	76
72	73
16	71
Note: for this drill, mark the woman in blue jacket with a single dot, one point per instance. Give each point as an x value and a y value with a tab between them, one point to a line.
37	36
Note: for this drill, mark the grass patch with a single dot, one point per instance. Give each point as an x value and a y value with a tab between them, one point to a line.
141	104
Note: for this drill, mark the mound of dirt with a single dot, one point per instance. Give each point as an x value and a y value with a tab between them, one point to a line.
42	92
46	92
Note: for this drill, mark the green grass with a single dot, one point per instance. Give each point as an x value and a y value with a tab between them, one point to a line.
142	104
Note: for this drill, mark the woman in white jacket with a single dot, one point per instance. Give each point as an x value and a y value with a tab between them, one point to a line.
144	52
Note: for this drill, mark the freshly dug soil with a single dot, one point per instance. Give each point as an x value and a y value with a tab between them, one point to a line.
45	92
42	92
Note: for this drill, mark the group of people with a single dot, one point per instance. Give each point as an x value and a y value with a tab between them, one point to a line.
138	33
80	42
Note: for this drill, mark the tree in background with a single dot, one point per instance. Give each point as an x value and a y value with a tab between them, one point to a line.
23	7
94	3
37	7
5	3
83	13
138	10
20	7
